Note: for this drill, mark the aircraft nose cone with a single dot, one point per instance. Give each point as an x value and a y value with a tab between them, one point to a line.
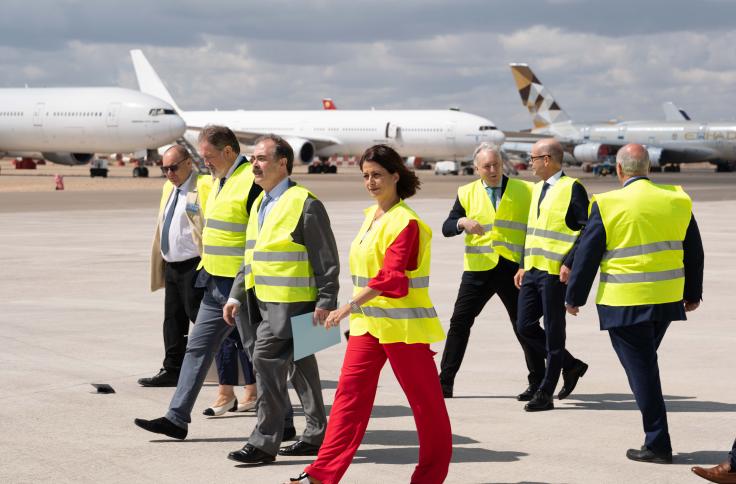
177	126
497	137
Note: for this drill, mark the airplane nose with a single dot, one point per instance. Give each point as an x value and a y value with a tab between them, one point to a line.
177	126
497	137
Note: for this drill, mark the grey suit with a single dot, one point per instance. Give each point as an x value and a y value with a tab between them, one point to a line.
268	339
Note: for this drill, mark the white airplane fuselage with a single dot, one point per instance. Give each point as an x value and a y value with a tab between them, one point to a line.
84	120
431	134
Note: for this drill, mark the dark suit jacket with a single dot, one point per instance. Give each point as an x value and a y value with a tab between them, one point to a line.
589	254
314	232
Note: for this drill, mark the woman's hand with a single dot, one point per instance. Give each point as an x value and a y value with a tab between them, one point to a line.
334	318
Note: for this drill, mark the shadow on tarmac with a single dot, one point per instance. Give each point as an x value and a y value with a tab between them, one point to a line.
702	457
625	401
405	437
410	455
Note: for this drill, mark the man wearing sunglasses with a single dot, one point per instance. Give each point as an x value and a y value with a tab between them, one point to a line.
177	246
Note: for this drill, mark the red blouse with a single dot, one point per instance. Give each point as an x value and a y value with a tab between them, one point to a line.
401	256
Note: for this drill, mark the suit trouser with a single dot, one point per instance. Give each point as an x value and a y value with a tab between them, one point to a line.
227	359
181	304
733	456
414	367
476	288
636	347
206	337
543	295
273	358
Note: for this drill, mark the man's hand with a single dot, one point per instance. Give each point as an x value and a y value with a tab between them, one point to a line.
691	305
574	310
319	316
518	278
229	311
471	226
564	274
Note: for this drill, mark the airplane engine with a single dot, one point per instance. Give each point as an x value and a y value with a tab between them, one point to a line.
70	159
303	149
592	153
655	155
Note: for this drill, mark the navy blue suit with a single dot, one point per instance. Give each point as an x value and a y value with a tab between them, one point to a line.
476	289
542	294
637	331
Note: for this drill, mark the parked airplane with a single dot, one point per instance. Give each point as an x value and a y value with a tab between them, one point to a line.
671	142
68	125
430	134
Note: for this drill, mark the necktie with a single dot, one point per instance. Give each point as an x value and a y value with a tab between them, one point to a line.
494	197
541	197
222	184
262	210
167	224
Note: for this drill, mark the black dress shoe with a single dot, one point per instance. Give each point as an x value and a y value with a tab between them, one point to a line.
527	394
251	455
162	426
164	378
647	455
570	378
446	391
289	433
541	401
299	448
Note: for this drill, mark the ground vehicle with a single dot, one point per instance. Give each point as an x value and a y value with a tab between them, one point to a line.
98	167
603	169
446	168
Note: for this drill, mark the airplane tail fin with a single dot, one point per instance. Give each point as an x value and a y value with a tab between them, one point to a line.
328	104
148	80
537	98
673	113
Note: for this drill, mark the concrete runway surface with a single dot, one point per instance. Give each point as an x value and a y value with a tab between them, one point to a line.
75	309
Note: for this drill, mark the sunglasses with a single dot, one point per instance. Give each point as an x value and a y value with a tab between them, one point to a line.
171	168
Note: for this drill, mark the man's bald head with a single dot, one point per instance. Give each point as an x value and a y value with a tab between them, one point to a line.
551	147
546	158
633	160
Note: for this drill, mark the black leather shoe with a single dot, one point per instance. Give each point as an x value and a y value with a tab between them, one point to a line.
541	401
164	378
527	394
289	433
570	378
446	390
646	455
162	426
299	448
251	455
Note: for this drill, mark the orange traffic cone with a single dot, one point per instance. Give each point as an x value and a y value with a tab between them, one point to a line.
59	180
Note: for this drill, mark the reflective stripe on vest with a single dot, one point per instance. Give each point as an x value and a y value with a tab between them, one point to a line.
505	228
645	225
223	236
548	238
408	319
414	282
278	267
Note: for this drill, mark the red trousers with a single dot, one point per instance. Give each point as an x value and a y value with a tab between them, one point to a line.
414	367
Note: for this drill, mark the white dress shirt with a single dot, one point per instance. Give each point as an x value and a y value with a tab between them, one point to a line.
181	244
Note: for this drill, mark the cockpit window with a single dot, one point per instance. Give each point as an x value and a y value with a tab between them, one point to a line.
160	111
486	128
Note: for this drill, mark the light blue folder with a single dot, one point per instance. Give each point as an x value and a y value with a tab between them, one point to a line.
309	339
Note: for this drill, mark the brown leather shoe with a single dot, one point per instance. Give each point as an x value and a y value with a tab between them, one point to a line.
722	473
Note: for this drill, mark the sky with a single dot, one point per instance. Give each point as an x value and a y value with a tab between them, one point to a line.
602	60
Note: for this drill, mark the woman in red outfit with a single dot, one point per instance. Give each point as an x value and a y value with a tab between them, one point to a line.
391	318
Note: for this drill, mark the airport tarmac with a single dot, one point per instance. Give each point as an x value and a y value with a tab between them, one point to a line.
75	310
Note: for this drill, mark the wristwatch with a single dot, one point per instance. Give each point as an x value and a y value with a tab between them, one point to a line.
355	307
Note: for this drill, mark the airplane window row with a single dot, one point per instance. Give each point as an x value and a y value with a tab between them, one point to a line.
76	114
11	113
160	111
359	129
423	130
486	128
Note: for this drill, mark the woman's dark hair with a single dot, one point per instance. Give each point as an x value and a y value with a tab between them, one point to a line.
390	160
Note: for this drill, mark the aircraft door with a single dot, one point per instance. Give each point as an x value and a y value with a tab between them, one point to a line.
621	132
701	131
586	132
113	112
450	137
38	112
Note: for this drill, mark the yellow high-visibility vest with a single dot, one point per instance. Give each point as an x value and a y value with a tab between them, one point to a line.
409	319
645	226
548	238
223	237
505	229
275	265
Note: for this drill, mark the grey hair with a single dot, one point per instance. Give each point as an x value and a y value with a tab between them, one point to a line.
219	137
633	162
487	147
